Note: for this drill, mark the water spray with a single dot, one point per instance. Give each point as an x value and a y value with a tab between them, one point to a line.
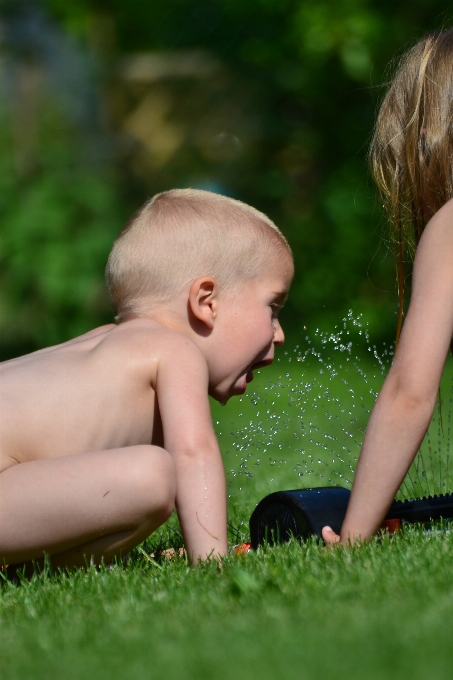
323	398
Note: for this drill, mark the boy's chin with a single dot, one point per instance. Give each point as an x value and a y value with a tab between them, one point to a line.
236	390
241	383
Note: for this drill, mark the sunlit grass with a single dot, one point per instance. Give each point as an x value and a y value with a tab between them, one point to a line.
295	611
381	611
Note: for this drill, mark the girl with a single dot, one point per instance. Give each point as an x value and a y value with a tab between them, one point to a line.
412	163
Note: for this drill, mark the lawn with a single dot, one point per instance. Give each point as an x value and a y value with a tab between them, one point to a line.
383	611
380	611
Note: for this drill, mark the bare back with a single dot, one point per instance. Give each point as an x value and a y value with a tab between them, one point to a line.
89	394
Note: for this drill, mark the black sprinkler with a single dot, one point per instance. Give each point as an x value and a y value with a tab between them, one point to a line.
303	513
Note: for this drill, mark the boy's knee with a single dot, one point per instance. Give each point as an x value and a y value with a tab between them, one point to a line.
155	476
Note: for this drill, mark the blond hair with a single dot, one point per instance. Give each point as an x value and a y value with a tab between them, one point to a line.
411	153
180	235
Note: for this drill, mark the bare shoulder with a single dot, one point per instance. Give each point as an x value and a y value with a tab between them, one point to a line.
446	211
147	340
441	224
94	333
435	249
132	352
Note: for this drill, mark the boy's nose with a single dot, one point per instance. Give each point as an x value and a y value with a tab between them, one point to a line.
279	336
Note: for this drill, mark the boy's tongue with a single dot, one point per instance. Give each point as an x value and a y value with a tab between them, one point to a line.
249	376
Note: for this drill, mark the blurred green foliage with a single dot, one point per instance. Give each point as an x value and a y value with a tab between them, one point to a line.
105	102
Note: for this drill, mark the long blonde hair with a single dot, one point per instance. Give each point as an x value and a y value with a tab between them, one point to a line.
411	154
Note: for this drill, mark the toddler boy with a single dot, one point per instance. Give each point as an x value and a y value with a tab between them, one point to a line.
101	436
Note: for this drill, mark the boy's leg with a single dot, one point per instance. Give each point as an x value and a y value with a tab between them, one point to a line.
85	506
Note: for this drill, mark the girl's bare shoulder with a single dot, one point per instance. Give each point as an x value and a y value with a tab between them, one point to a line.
441	220
436	243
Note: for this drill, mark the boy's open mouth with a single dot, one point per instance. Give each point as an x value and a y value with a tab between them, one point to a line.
248	377
259	364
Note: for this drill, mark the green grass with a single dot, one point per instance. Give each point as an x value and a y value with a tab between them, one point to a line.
382	611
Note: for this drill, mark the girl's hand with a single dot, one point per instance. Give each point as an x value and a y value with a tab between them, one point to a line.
329	536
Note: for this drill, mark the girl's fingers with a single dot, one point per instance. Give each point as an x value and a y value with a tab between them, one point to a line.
329	536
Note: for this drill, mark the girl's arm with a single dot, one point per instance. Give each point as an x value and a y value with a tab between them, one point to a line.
182	392
406	402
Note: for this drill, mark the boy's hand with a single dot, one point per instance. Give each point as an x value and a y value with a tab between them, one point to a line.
329	536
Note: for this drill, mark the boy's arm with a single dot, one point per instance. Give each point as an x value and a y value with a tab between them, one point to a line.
182	393
405	404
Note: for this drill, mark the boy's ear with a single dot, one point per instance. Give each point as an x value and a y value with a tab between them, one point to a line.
203	296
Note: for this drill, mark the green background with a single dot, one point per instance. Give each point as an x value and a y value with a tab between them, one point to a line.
104	103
